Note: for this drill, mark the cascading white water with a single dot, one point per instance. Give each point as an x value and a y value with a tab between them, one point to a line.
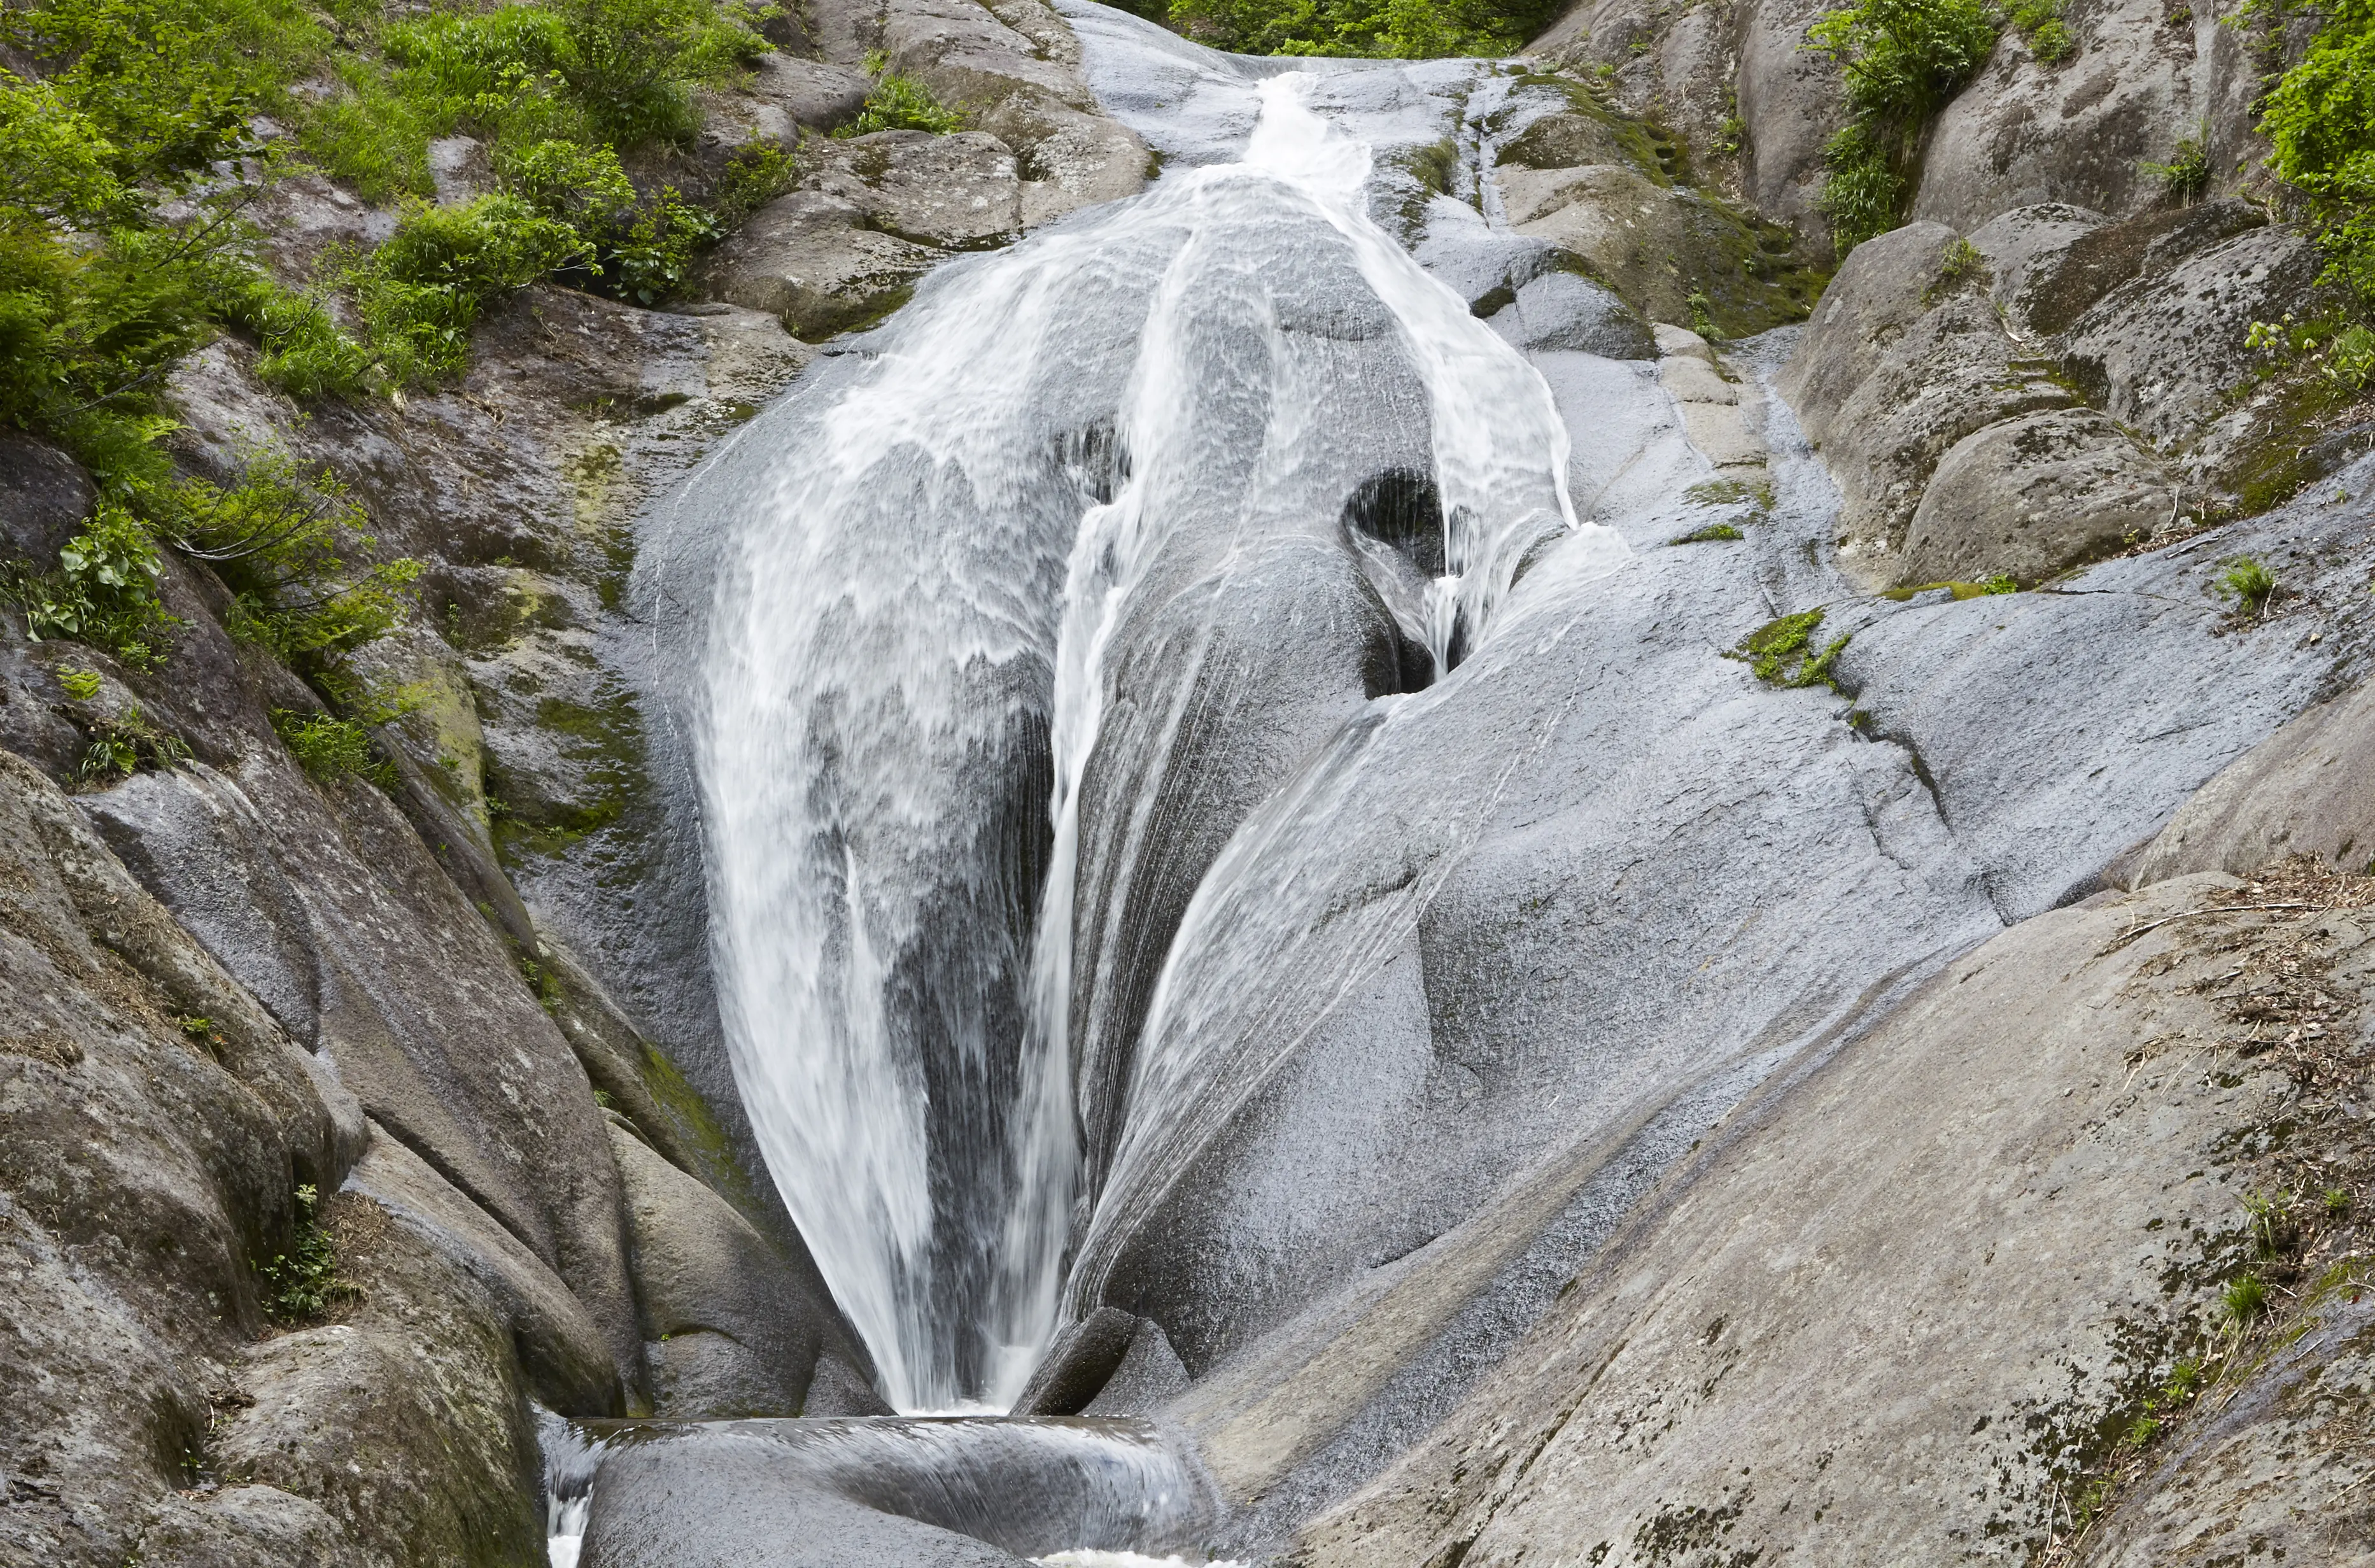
936	544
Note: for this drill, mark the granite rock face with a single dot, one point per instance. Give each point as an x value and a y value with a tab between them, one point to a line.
1906	1295
2308	789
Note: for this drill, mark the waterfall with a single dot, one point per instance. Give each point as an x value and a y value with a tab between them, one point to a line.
934	549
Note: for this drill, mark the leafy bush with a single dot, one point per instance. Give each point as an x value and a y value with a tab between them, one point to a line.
2039	21
2320	120
1903	59
128	743
285	545
103	592
1782	652
1400	30
902	103
302	1282
2187	173
330	747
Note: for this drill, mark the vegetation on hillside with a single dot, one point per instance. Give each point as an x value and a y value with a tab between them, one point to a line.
1904	59
135	138
1396	30
2319	119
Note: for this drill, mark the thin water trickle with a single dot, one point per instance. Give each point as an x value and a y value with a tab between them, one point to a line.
936	544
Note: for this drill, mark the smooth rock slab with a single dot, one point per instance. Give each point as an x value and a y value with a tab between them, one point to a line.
1898	1304
2308	789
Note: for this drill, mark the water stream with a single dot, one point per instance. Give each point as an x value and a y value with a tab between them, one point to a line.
936	546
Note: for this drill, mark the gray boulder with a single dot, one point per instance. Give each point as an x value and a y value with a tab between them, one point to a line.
1562	312
809	259
2163	353
562	1358
2053	263
731	1326
2308	789
406	1419
247	1527
955	193
1908	1298
1014	69
44	497
1078	1364
2140	79
158	1124
2034	496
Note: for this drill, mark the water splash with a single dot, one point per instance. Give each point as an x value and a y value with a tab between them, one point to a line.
935	545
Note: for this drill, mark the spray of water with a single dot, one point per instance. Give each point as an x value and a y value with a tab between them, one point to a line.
935	546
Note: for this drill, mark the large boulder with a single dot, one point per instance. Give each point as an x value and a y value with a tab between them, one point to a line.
809	259
955	193
2308	789
2140	79
2164	353
2033	496
1907	1301
732	1325
160	1124
406	1419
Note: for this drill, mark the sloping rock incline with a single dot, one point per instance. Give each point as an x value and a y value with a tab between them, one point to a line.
1902	1308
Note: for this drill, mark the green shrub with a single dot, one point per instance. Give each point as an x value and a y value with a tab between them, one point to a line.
302	1283
1399	29
2039	21
1903	60
103	592
287	547
1707	533
902	103
329	747
128	743
2349	361
2320	121
2186	175
2246	1299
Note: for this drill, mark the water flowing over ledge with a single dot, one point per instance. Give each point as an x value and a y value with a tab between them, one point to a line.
936	542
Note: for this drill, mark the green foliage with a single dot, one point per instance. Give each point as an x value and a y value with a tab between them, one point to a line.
2186	175
2350	360
128	743
1702	311
81	685
1862	190
302	1283
2245	1300
1781	652
1392	29
2321	122
1708	534
103	592
2336	1200
330	747
289	547
2249	584
2039	21
1961	264
902	103
1903	59
1730	492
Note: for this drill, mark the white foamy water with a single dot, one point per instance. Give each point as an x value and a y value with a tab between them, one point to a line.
936	544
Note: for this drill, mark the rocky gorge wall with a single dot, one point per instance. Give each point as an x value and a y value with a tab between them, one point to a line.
1492	1267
